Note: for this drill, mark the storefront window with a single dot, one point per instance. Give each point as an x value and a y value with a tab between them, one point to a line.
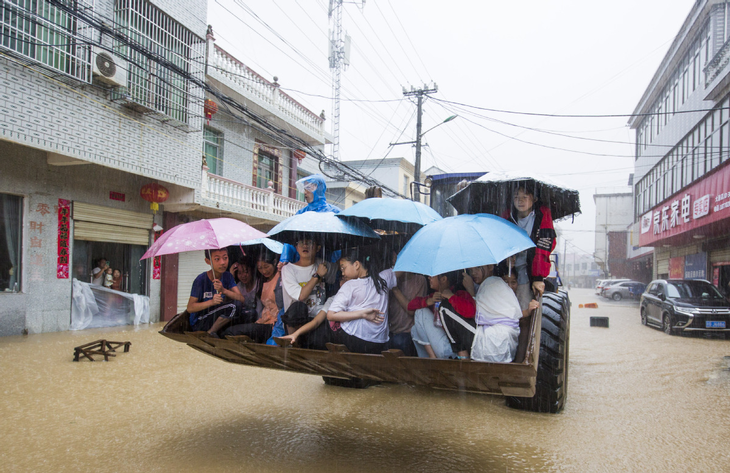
122	257
11	224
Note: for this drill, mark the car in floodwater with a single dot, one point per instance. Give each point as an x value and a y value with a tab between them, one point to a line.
624	290
684	306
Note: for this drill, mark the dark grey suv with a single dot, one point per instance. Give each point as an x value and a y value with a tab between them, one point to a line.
685	305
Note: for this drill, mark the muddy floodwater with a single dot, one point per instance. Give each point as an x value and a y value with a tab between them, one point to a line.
639	400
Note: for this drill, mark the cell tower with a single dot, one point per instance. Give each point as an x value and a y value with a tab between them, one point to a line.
339	57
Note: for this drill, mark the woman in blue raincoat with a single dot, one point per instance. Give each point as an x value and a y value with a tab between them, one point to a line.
314	189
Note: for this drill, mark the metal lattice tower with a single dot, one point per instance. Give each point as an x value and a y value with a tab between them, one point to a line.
339	58
336	58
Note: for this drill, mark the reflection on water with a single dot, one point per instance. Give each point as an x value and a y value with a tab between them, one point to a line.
639	400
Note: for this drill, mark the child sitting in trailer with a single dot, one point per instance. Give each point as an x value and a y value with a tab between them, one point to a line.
429	336
212	298
314	334
497	318
303	286
258	327
361	305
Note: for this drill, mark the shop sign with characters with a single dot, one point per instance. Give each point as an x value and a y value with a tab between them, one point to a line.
705	202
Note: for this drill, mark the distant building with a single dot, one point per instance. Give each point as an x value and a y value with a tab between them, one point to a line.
613	215
681	205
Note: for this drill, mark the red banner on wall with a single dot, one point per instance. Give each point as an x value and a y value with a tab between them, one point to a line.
64	232
676	268
157	264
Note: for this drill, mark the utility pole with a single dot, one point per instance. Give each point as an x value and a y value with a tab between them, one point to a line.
419	93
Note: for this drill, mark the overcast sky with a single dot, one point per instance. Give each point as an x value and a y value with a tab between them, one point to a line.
565	57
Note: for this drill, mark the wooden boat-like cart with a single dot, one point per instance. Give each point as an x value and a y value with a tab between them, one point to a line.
536	380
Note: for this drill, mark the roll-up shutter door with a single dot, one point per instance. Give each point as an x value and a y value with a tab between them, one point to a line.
720	256
97	223
662	260
190	264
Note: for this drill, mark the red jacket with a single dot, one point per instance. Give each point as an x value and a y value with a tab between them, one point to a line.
461	301
543	235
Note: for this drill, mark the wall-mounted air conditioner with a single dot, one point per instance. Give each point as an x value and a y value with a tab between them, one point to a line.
108	68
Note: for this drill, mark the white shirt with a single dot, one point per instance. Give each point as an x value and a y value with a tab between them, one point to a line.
496	301
358	294
294	278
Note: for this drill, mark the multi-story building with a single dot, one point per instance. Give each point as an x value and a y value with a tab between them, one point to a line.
101	99
681	190
613	215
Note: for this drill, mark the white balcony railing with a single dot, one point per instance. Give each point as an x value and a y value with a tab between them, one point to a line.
248	200
250	83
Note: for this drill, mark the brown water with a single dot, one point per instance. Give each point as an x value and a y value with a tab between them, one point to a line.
639	401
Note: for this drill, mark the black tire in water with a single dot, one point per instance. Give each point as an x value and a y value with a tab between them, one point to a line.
552	370
356	383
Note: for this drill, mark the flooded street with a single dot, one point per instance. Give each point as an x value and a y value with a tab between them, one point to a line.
639	400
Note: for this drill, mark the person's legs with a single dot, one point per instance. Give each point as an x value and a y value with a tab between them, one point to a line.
430	340
256	332
524	295
295	316
403	342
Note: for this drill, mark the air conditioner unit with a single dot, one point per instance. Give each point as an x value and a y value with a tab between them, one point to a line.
108	68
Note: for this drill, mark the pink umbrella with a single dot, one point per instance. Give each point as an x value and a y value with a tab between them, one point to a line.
206	234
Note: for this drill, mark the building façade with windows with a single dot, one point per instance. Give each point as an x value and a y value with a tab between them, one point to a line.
681	177
81	138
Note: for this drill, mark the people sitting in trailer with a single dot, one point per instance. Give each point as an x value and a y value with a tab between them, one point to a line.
360	308
303	286
249	285
509	275
533	265
314	334
429	333
259	329
212	303
400	319
497	318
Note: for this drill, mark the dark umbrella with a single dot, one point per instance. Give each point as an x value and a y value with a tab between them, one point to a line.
324	228
492	194
395	215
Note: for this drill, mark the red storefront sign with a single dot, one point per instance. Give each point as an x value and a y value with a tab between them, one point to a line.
704	202
157	261
64	229
676	268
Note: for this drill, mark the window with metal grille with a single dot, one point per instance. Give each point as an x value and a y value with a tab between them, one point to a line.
37	30
158	80
213	150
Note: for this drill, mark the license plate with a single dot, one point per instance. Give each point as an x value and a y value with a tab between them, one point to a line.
715	324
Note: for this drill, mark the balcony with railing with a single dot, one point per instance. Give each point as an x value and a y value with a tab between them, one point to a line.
231	196
233	73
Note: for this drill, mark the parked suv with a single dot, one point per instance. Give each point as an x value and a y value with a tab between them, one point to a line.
685	305
626	289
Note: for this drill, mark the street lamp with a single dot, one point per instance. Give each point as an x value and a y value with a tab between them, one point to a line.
417	142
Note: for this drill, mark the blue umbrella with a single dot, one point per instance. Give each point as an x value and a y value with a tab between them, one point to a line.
272	245
386	213
461	242
324	228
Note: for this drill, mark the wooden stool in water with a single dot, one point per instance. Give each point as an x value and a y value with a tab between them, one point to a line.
105	348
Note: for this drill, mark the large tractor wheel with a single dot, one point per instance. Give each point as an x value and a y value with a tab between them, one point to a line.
552	370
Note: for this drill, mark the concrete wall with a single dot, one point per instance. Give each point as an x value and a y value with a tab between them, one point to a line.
45	301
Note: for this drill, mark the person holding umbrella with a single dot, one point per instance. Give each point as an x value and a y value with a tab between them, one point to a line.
532	265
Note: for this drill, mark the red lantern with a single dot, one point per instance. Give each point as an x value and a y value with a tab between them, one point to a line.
210	108
154	193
